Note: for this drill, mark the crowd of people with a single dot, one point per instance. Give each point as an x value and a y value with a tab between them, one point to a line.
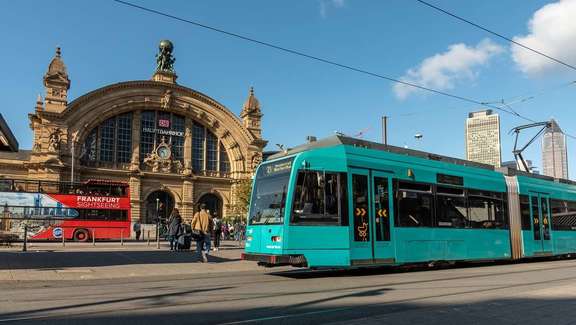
206	229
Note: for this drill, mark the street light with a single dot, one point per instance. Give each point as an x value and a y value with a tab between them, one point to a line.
158	223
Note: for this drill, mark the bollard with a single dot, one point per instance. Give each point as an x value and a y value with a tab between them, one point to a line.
24	248
63	239
148	237
157	238
122	237
93	237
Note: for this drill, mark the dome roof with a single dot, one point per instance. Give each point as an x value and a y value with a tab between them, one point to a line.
252	104
57	65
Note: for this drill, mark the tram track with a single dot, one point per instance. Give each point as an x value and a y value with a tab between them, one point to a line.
219	297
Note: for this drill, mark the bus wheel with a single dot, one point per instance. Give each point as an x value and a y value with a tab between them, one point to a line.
81	235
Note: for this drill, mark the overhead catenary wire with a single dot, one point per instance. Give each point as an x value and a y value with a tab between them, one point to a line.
317	58
326	61
444	11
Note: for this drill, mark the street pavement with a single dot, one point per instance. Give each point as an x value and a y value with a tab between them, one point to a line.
137	284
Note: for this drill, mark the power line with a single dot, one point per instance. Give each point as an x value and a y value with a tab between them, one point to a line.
316	58
496	34
330	62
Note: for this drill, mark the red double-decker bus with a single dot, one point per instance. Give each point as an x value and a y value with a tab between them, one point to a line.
95	209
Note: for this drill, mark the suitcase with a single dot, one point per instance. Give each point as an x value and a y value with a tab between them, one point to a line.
184	242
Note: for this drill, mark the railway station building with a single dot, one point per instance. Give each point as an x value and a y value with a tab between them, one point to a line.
169	142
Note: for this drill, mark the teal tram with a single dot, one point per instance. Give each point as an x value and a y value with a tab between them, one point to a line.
342	202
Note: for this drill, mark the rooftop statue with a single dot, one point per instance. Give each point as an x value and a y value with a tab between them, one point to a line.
164	59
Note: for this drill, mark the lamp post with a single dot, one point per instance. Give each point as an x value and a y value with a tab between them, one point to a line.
158	223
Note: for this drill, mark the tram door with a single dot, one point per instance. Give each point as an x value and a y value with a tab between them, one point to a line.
540	212
371	218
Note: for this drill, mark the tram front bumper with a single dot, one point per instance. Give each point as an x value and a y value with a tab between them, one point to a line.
276	260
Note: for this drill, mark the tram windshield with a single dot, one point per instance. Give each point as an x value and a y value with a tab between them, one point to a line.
269	193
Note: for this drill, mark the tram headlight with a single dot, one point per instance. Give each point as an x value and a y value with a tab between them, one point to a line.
248	238
276	239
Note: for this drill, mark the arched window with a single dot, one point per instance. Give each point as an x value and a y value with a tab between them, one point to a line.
224	162
208	154
110	142
158	127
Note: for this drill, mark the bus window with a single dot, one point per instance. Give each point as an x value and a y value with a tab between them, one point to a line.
317	197
415	205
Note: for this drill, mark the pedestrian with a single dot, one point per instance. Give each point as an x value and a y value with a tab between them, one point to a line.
202	225
174	228
217	232
225	231
137	229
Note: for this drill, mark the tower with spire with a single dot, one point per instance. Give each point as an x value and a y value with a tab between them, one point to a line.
56	83
251	115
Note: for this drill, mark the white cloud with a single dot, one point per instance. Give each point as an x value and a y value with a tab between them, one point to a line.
442	71
552	30
325	5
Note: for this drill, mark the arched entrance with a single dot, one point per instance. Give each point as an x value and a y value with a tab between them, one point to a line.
213	203
160	200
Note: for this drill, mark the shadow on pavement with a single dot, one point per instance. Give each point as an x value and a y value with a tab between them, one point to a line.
414	311
63	259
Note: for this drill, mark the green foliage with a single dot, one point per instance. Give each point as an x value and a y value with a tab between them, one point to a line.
242	193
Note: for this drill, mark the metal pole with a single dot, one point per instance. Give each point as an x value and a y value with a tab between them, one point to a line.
385	129
25	248
122	237
148	237
72	171
63	238
157	223
93	237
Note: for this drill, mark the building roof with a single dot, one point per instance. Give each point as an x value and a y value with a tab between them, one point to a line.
7	140
554	127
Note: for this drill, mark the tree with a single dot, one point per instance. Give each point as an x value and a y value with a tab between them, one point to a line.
242	192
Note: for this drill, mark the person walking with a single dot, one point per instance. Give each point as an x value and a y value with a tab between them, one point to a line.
174	228
201	223
217	232
137	229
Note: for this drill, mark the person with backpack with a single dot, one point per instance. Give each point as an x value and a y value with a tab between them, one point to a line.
201	228
217	230
174	229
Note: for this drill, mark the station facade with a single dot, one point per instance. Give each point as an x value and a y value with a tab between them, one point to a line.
174	146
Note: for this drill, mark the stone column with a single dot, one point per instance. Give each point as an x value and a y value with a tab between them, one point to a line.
188	146
135	199
187	200
136	126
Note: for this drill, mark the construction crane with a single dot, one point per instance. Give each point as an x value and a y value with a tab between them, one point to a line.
518	152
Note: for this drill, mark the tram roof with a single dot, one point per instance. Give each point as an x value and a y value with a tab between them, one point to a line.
337	140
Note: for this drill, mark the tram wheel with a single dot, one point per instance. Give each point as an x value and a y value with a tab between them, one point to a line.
81	235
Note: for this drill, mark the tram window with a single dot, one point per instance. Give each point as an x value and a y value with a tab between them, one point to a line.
563	215
451	211
414	209
360	207
487	210
317	197
525	218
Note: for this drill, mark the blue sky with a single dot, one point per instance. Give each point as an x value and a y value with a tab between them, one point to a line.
104	42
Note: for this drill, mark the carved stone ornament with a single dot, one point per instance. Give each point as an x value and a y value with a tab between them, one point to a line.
162	160
166	100
54	140
256	160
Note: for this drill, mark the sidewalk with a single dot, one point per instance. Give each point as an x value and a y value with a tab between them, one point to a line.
110	260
